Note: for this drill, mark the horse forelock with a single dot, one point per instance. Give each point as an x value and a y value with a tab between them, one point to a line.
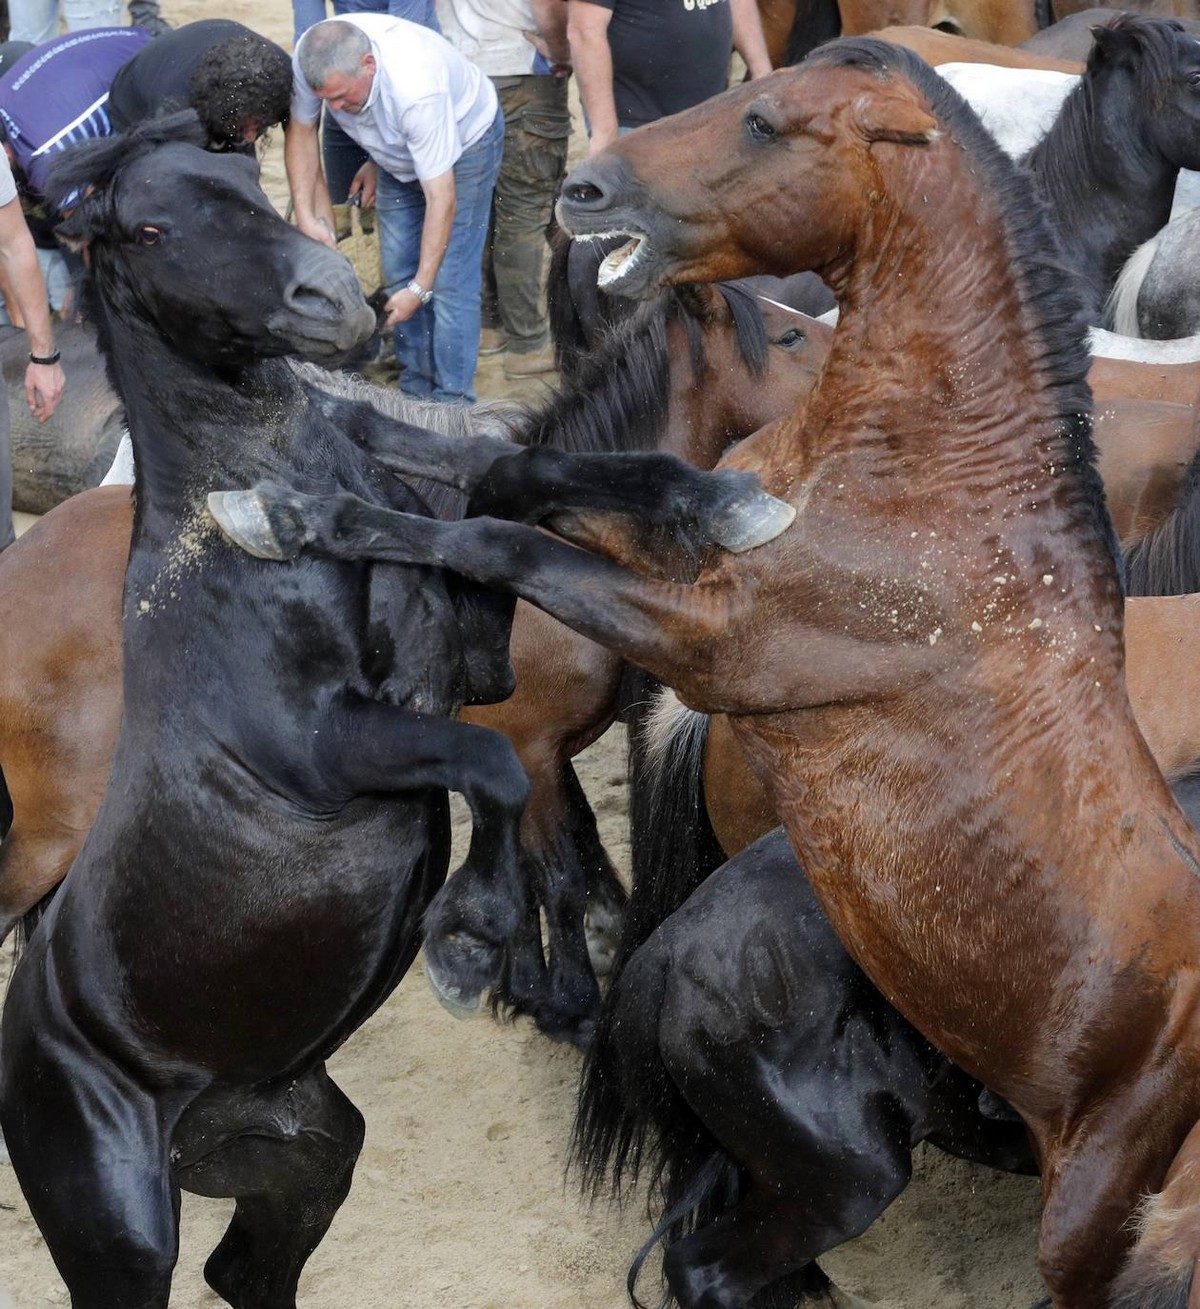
749	328
1156	43
82	177
1048	287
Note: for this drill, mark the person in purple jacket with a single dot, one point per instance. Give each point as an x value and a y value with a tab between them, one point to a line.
56	95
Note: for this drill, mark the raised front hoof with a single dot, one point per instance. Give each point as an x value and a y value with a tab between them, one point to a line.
257	522
456	1001
233	1272
751	521
460	969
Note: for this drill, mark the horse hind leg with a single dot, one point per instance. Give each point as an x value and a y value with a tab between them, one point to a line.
89	1147
287	1155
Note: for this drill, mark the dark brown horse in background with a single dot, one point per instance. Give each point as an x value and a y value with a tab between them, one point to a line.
933	648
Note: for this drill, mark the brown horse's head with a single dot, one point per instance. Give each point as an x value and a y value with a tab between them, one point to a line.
770	177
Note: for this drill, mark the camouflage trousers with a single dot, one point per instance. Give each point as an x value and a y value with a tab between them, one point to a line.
537	128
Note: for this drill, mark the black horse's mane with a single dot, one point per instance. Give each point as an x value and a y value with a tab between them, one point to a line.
1051	290
87	170
1068	148
618	397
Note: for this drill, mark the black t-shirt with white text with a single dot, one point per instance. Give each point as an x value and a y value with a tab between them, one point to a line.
667	55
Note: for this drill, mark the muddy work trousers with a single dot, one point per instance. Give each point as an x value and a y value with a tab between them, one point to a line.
537	130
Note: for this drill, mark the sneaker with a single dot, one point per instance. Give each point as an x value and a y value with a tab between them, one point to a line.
530	365
492	341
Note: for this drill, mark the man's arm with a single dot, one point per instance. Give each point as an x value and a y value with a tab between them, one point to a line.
310	195
44	383
441	201
551	19
587	30
748	39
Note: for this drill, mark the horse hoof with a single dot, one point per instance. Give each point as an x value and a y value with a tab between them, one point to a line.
454	999
602	933
242	517
753	522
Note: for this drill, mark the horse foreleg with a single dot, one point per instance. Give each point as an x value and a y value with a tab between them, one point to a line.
373	747
669	629
287	1153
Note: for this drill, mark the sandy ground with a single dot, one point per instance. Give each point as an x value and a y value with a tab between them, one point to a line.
459	1200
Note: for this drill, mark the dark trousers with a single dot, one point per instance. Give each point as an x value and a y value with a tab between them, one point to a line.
537	128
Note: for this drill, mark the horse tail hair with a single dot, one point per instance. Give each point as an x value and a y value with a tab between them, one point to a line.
6	807
631	1115
1166	561
1159	1271
672	844
1121	307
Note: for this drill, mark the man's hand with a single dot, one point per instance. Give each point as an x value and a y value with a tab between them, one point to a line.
601	140
364	184
557	55
319	230
400	307
44	385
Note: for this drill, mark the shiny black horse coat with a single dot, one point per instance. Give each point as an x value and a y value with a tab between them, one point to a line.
276	821
275	826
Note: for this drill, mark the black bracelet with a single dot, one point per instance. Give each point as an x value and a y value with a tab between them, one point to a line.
45	359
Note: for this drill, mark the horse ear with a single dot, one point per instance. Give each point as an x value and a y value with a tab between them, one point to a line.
1109	45
893	116
82	221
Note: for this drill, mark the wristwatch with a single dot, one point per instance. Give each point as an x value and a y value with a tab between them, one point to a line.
419	291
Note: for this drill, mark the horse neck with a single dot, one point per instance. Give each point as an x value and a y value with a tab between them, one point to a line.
193	427
1107	184
941	380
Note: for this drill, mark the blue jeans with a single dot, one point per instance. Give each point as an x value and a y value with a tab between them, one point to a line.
439	345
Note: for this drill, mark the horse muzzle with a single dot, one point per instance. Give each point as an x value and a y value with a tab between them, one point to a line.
324	313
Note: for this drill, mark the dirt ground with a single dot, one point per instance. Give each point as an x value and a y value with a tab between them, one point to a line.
459	1199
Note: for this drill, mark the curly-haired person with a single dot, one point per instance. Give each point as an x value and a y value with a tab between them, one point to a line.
238	82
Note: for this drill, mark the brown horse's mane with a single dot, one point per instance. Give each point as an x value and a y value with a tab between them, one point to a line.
1049	287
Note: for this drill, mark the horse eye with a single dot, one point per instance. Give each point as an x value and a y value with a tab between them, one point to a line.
759	128
791	338
148	236
1194	77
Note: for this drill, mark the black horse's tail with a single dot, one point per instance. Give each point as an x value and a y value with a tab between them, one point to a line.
632	1116
633	1121
1166	561
672	844
6	807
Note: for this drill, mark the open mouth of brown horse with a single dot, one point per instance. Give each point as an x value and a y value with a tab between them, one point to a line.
623	261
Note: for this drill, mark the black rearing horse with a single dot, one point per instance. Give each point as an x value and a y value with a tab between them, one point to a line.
276	825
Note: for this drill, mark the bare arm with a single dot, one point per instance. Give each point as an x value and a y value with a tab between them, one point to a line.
748	39
441	202
587	29
310	195
551	19
44	383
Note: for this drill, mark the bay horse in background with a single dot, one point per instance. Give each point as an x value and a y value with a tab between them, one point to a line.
689	373
958	608
276	825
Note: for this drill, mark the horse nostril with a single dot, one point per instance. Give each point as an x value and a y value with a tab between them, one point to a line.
583	193
309	300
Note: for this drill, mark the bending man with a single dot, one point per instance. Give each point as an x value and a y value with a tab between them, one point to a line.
431	124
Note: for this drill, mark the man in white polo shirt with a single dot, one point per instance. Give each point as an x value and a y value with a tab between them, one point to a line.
431	123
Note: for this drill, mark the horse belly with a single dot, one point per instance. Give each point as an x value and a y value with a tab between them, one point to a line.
247	963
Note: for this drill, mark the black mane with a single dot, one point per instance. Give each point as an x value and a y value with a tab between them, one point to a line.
617	399
1051	289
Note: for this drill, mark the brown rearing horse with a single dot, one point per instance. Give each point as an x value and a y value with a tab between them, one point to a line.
930	655
60	675
1162	672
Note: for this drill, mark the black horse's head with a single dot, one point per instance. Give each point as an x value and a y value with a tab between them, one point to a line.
188	242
